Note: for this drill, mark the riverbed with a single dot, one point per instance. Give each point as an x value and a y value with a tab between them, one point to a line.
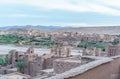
4	49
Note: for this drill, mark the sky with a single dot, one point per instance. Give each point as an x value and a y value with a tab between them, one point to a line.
76	13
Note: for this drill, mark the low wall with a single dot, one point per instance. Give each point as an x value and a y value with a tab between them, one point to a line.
101	72
115	68
110	70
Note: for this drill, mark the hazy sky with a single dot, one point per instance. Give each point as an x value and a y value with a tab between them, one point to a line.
60	12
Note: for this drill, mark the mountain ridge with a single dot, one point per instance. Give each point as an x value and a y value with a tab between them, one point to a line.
93	29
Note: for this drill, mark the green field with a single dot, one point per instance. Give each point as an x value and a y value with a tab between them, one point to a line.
11	39
86	44
15	39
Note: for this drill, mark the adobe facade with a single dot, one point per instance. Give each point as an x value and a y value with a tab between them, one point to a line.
113	50
92	52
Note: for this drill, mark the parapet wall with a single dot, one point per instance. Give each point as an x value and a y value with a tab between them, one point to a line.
109	70
101	68
101	72
115	67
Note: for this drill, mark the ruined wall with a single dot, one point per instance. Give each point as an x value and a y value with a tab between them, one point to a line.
48	63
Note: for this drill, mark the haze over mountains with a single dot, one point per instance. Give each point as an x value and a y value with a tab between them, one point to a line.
98	30
30	26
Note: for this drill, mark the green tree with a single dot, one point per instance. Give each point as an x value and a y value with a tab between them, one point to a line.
20	64
115	42
4	60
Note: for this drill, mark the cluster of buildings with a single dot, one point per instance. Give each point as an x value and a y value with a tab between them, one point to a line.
57	61
60	64
63	38
98	37
112	50
74	38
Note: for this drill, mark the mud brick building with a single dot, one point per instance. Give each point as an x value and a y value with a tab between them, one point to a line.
33	63
92	52
113	50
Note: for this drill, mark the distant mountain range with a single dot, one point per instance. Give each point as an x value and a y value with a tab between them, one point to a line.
98	30
30	26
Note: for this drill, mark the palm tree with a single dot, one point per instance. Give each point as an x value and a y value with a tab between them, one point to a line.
20	64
